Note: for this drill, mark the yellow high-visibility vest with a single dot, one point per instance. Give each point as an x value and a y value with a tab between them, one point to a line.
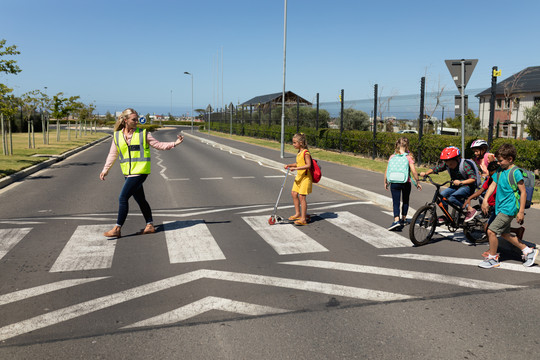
134	158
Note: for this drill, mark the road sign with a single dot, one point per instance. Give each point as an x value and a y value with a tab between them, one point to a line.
455	70
457	105
142	120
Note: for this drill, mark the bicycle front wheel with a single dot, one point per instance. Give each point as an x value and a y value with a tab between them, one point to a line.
423	225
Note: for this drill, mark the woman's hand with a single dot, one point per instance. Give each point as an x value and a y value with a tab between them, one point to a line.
102	175
179	140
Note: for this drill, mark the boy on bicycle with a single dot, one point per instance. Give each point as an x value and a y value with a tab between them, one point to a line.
507	207
464	176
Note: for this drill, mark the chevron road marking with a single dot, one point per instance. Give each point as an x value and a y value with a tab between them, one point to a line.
461	261
405	274
367	231
87	307
285	239
204	305
190	241
10	238
44	289
87	249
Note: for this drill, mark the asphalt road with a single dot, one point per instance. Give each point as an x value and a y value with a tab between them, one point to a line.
218	282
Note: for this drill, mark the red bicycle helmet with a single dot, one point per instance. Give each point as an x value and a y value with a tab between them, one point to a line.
450	153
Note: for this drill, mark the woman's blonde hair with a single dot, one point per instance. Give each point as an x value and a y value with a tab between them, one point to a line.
301	138
121	122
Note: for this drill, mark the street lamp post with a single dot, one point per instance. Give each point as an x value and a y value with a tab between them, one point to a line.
187	73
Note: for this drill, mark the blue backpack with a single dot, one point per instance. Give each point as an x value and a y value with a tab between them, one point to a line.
398	169
528	181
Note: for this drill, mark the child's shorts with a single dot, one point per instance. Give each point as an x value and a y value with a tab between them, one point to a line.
501	224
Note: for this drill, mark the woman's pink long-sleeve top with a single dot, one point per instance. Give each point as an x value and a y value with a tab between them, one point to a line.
113	151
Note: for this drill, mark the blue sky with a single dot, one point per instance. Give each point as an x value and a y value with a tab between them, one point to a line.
122	54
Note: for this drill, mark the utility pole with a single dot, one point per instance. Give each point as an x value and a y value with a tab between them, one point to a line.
375	92
421	119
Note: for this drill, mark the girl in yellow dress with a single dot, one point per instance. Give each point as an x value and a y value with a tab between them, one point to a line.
303	181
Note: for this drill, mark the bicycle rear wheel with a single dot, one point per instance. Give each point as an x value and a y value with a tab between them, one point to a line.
423	225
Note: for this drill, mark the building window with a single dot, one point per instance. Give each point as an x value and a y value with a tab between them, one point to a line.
499	104
536	100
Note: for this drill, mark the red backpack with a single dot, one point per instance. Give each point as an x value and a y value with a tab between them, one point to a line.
315	169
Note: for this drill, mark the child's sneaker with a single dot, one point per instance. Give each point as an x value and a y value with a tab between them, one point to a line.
489	263
530	258
394	225
470	215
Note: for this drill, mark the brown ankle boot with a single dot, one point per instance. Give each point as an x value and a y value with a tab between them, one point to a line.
114	233
149	229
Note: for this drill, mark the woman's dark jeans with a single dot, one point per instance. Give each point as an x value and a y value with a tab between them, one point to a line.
133	186
397	189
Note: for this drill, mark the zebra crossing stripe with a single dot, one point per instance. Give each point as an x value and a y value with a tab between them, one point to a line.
44	289
405	274
90	306
10	238
87	249
190	241
462	261
204	305
285	239
365	230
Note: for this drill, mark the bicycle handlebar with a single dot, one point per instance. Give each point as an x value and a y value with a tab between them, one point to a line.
428	178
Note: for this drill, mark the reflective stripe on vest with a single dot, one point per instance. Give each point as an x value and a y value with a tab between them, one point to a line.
134	158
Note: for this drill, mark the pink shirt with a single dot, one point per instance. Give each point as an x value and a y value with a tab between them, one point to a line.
113	151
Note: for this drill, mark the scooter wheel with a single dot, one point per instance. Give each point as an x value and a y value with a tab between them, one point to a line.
272	220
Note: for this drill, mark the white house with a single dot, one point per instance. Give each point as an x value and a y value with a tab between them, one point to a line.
513	95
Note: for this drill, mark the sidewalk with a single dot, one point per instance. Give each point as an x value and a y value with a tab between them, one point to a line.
364	184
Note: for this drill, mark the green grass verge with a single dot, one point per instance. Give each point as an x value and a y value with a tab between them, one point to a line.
24	157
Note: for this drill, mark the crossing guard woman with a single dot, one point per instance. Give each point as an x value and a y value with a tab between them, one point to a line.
132	146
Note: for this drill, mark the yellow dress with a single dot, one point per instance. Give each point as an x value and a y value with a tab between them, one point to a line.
303	180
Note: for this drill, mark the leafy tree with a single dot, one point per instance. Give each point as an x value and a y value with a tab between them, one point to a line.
8	66
472	122
109	117
308	116
9	105
355	120
31	101
532	120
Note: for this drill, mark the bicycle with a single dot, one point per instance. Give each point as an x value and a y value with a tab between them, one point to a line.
425	220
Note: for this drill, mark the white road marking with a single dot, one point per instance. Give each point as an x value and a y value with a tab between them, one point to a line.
204	305
391	213
87	249
212	178
17	222
285	239
87	307
44	289
270	209
367	231
273	176
190	241
342	205
197	213
11	237
405	274
243	177
462	261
